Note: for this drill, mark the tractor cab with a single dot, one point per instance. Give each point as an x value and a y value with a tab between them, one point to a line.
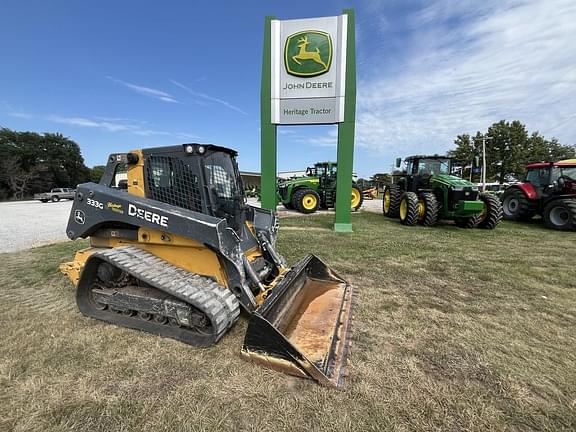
326	173
551	178
322	169
419	170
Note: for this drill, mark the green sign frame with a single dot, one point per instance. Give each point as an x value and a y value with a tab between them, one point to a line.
268	130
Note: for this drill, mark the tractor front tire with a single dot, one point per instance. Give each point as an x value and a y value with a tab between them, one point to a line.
560	214
492	213
391	201
409	209
357	198
467	222
306	201
516	205
427	209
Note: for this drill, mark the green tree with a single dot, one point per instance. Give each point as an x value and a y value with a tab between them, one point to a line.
466	154
96	173
45	160
380	179
509	148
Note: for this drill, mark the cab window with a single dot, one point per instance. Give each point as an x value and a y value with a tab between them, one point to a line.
537	177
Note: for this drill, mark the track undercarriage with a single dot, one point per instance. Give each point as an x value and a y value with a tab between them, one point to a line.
132	288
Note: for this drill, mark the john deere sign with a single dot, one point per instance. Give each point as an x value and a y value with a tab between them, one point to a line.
309	77
307	73
308	53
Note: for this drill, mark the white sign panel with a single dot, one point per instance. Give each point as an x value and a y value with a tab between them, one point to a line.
308	70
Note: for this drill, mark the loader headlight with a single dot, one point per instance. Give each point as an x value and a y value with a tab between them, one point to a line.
189	149
458	188
201	149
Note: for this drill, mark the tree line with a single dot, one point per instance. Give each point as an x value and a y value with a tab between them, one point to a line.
31	162
509	148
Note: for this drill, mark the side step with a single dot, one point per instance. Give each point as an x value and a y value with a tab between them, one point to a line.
218	303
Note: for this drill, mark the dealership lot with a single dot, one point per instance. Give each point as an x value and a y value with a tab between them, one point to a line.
27	224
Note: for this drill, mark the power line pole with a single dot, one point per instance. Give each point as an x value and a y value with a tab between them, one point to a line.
484	138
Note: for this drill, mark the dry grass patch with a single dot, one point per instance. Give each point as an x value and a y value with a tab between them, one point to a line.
454	330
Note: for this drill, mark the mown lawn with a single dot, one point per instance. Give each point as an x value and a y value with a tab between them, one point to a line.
453	330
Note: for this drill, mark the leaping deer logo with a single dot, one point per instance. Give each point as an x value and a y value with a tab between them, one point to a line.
308	55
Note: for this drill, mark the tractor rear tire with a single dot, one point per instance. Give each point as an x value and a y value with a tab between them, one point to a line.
492	214
306	201
427	209
467	222
409	209
357	198
516	205
391	201
560	214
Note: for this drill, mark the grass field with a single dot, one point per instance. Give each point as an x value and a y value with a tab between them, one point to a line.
453	330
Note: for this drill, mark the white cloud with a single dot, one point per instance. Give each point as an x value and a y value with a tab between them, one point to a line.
468	64
132	126
19	114
147	91
208	98
91	123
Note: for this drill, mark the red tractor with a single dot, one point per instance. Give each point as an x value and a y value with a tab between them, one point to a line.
549	190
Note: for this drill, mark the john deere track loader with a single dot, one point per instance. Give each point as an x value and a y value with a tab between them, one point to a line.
175	251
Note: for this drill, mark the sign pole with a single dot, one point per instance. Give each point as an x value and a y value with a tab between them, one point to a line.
343	220
267	128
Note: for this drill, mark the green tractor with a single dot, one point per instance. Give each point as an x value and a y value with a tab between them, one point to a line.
426	191
316	189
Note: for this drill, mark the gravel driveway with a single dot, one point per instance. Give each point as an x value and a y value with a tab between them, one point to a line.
26	224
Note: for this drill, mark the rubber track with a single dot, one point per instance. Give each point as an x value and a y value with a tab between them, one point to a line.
217	302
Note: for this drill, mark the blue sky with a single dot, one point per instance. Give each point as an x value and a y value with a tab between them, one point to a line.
117	75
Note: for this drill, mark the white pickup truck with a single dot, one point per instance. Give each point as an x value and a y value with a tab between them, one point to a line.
56	195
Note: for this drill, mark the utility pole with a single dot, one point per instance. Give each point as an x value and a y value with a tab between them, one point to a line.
484	138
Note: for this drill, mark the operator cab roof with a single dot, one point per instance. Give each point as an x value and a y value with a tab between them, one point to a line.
562	163
180	148
410	158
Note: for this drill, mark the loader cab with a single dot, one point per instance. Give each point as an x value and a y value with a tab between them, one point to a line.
199	177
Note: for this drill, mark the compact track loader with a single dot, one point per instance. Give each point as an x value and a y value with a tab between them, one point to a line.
175	251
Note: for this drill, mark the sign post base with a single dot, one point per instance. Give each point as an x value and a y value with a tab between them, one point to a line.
343	227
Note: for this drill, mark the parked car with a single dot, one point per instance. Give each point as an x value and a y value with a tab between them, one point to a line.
56	195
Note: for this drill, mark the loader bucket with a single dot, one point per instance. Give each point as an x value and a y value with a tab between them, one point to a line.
302	328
